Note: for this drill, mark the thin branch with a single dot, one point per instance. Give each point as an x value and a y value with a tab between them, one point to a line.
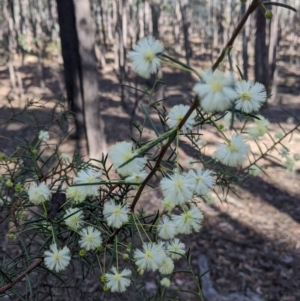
271	147
254	4
12	211
163	151
21	276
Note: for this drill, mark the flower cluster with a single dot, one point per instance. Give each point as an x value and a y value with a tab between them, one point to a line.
99	216
218	92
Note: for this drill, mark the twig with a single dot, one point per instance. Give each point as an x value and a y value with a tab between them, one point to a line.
21	276
111	189
254	4
271	147
162	153
12	211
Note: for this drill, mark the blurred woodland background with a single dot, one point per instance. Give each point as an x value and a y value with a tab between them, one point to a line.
76	50
85	37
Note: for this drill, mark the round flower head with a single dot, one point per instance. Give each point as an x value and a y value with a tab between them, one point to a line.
160	248
65	157
296	157
38	194
120	153
151	257
254	170
175	248
116	215
88	176
216	93
165	282
284	152
290	120
203	181
166	228
178	188
233	153
137	177
5	199
57	259
144	59
209	198
176	115
201	142
118	282
44	136
90	238
167	266
74	218
188	221
278	135
260	128
76	194
289	164
190	162
167	204
251	96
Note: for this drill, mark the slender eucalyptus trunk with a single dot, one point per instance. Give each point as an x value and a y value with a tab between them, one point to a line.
261	68
89	80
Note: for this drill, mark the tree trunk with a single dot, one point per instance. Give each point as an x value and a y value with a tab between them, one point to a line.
261	69
176	28
36	20
133	25
89	74
274	34
147	19
246	32
122	36
100	48
155	12
116	25
11	38
186	22
72	68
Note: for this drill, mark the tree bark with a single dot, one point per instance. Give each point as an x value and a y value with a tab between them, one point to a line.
176	27
147	19
72	67
155	12
185	26
245	45
89	74
274	37
261	69
11	37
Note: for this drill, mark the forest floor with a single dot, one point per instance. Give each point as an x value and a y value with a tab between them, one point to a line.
251	239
